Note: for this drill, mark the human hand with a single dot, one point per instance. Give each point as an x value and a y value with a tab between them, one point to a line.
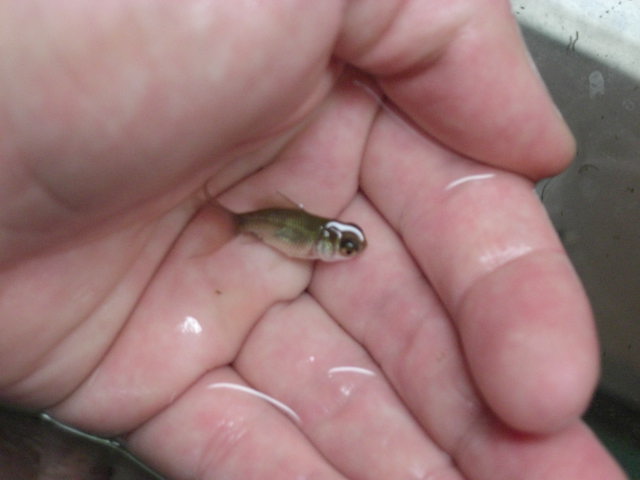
459	345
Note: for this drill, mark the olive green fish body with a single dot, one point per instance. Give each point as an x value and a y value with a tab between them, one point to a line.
299	234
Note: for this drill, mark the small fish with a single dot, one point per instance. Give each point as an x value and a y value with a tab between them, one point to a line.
298	234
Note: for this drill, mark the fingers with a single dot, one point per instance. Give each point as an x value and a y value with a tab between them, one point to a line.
461	71
486	245
220	428
465	226
528	333
346	408
493	452
311	403
384	303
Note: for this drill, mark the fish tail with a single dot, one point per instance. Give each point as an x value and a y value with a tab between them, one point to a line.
239	222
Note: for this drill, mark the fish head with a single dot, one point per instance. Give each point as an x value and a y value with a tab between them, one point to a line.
340	241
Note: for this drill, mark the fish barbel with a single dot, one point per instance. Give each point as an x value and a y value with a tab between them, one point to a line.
299	234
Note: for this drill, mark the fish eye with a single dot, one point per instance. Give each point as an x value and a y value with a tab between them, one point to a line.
348	239
348	247
350	244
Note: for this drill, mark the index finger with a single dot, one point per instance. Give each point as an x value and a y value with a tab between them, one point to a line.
484	241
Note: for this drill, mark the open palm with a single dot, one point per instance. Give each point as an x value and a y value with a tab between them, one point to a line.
458	345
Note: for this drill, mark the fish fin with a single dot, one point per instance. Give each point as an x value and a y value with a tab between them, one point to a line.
295	204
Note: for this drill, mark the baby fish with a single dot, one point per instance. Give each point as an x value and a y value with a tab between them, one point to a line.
298	234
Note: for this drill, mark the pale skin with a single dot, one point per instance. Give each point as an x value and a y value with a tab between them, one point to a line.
127	305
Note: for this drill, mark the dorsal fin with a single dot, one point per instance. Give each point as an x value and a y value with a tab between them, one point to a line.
291	202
